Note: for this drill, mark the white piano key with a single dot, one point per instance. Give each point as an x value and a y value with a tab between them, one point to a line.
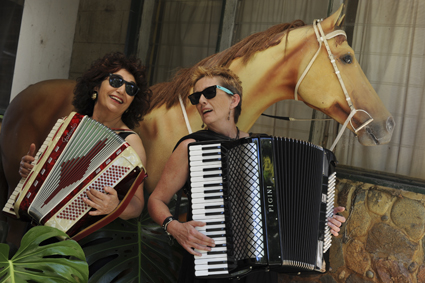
203	195
205	173
202	147
204	203
211	164
221	256
215	226
205	273
206	267
204	158
205	261
215	249
204	211
206	184
210	179
209	218
208	165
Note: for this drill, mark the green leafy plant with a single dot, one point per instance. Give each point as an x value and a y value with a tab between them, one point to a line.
132	251
43	258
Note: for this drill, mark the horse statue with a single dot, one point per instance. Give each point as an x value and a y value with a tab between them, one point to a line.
269	64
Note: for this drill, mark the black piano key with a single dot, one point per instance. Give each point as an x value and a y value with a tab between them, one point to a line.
217	269
217	236
211	160
217	262
211	153
215	223
204	148
214	213
214	197
216	252
212	169
215	229
212	175
214	206
213	185
213	191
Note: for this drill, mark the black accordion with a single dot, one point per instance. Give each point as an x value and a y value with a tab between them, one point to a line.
266	201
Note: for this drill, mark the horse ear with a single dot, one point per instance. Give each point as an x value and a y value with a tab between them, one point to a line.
335	20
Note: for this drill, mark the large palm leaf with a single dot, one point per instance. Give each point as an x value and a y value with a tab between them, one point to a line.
43	258
131	251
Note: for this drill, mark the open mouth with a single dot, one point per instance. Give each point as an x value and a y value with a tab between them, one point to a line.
206	111
116	99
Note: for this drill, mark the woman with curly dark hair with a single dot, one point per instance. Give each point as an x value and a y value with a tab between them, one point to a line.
113	92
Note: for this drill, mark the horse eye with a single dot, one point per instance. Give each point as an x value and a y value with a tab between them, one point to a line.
347	59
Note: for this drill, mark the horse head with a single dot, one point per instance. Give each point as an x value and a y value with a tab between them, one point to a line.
343	89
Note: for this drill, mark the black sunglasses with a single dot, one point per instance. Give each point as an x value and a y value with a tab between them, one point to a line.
209	93
117	81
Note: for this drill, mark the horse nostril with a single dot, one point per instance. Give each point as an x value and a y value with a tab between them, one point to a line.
390	124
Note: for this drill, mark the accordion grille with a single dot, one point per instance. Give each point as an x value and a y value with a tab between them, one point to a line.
246	216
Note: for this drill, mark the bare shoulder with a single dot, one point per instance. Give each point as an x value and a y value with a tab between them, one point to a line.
182	147
136	143
243	134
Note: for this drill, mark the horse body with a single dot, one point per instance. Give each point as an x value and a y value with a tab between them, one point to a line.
268	74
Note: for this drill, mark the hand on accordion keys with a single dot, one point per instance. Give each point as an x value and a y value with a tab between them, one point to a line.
25	166
190	238
103	203
336	221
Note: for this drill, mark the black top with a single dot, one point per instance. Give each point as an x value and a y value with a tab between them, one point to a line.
123	133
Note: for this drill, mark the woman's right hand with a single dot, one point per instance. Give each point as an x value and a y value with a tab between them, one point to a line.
25	166
190	238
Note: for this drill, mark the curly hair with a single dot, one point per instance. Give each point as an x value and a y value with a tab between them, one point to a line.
227	79
98	71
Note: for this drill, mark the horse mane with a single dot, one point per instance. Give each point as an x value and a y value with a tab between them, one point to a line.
168	92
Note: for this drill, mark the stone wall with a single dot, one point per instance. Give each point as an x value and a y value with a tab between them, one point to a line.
382	240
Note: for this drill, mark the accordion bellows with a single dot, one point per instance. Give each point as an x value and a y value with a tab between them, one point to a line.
79	154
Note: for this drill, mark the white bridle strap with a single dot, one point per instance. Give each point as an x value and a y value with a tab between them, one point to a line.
321	37
189	129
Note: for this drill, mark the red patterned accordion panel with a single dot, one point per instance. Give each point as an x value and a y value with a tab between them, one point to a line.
79	154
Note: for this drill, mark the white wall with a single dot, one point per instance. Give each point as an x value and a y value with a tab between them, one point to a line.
45	42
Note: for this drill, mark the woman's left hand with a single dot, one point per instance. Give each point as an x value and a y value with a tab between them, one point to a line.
104	203
336	221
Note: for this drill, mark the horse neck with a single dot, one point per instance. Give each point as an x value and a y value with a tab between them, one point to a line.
269	76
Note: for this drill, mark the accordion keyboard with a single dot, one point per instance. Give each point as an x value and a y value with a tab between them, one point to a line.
208	206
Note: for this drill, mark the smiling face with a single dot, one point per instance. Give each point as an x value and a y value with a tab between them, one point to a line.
113	101
214	110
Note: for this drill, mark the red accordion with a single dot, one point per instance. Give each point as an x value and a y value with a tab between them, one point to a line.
79	154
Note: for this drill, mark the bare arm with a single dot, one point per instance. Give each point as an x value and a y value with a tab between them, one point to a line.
173	178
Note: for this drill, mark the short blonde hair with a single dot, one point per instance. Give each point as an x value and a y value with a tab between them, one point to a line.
227	79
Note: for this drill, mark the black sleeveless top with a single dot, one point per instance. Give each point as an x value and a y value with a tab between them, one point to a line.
123	133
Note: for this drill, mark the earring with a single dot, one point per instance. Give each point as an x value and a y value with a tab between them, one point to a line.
228	117
126	111
94	95
203	125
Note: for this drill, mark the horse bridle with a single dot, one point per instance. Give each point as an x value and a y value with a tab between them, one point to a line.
321	37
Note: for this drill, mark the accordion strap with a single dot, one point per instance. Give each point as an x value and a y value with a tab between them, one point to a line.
116	212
